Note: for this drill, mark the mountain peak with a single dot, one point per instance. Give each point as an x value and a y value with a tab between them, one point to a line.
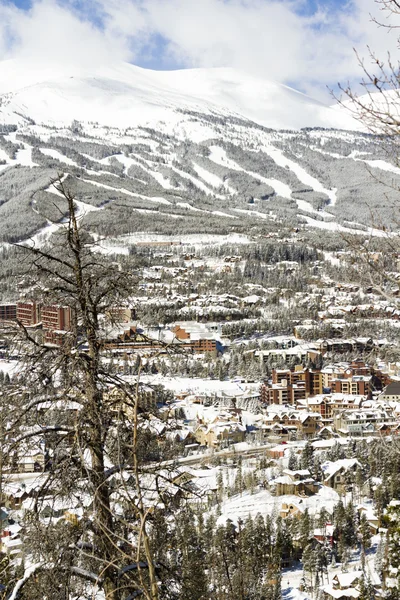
125	95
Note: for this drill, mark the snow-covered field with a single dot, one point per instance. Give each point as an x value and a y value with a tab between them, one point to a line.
264	503
122	243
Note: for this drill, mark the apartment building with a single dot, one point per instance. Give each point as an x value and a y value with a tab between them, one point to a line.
28	313
8	312
310	379
355	385
199	337
283	392
351	378
56	322
328	405
362	422
147	399
56	318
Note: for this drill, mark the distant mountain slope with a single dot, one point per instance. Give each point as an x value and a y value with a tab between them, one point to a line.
183	152
127	96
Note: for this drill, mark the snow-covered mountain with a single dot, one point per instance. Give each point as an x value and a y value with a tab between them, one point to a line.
196	151
126	96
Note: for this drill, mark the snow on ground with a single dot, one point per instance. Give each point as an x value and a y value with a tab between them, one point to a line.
383	165
291	578
245	504
252	213
4	155
222	214
336	227
196	240
163	181
302	175
194	385
219	156
280	188
330	257
307	207
210	178
57	155
127	96
290	593
43	234
84	208
206	479
24	157
97	173
9	366
110	188
197	183
128	161
157	199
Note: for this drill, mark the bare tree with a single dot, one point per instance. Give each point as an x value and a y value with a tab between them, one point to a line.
377	108
100	470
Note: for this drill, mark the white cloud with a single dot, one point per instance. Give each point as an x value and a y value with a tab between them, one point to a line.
53	34
269	38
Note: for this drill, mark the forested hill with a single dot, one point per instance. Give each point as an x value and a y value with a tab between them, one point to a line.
183	152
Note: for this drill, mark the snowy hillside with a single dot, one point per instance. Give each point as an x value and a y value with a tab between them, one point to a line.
127	96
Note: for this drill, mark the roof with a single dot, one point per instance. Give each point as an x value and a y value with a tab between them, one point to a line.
300	472
284	479
393	389
330	468
304	417
328	531
347	579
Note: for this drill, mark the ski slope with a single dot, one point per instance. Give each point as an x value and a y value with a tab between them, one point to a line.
302	175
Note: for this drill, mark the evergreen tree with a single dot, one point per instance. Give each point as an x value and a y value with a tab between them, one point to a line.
239	481
316	469
323	518
220	485
305	528
307	455
292	460
349	531
309	560
366	589
365	532
380	557
193	579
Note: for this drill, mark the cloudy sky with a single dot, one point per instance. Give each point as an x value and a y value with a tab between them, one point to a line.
307	44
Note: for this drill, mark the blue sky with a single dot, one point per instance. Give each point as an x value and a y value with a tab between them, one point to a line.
309	6
25	4
312	6
304	43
